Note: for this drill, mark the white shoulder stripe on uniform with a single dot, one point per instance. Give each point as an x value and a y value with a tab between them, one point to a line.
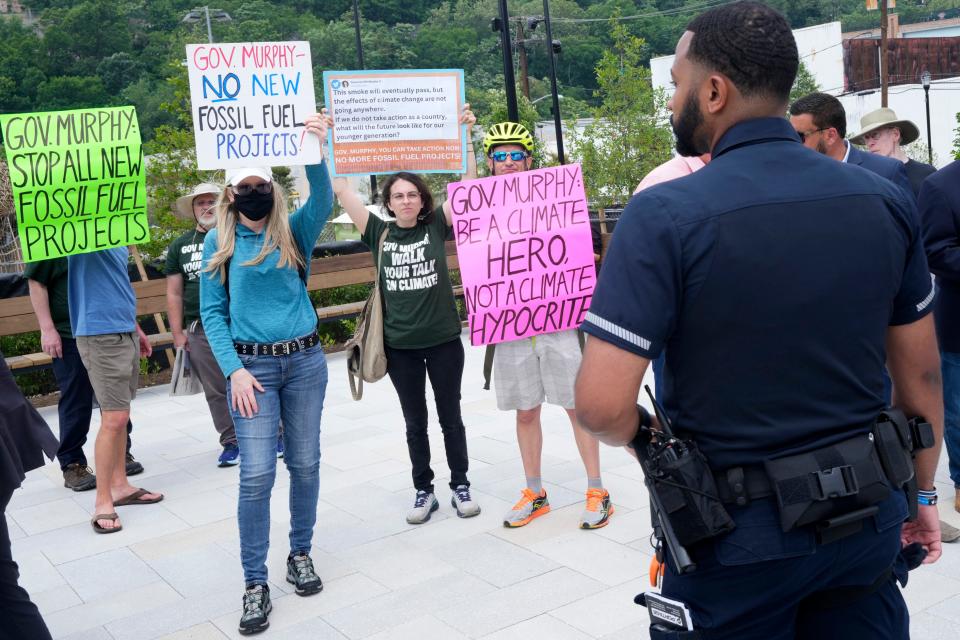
618	331
926	301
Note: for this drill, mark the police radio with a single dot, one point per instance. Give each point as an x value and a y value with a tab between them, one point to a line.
686	506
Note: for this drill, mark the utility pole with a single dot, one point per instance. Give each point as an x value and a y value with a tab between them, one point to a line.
522	45
884	61
356	32
502	24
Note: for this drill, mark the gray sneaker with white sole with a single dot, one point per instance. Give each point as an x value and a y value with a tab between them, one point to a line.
425	504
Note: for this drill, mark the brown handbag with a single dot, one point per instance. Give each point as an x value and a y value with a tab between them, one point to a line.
366	356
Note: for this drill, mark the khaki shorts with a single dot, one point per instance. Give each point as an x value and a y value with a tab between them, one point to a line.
526	372
112	361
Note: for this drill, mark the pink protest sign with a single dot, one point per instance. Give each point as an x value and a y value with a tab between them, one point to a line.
525	251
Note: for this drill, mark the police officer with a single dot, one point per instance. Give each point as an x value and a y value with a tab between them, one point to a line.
778	283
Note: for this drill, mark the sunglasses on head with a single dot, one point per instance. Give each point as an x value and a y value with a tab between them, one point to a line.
501	156
246	189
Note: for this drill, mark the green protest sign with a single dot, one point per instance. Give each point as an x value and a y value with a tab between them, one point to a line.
78	180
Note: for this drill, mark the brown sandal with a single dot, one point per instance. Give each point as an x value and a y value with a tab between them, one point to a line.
134	498
105	516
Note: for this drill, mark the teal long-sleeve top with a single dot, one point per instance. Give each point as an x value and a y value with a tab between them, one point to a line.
266	303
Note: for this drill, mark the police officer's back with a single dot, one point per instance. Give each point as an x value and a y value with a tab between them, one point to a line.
773	277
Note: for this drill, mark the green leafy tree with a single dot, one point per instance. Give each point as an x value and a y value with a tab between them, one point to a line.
804	83
628	136
956	141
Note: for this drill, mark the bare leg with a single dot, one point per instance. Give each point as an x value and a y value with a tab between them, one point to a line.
109	455
588	445
530	439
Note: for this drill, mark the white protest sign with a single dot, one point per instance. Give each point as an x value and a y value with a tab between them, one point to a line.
249	101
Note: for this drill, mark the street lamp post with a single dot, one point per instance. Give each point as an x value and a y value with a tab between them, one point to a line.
203	13
925	81
553	48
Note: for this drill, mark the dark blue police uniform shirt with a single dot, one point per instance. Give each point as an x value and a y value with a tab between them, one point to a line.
770	276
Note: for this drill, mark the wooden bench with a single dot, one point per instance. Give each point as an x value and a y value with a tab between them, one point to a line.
16	314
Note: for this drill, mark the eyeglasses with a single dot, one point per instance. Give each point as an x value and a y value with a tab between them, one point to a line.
516	156
400	197
246	189
803	136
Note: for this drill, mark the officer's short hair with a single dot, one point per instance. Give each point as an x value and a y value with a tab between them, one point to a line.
751	44
825	109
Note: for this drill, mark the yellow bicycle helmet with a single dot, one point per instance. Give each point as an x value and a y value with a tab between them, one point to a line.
507	133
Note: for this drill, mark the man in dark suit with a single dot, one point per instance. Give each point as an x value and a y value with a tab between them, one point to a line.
821	123
940	216
24	439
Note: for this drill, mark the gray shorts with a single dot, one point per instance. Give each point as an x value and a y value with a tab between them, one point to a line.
112	361
530	371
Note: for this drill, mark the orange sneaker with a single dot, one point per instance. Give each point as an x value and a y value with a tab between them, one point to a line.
530	506
598	511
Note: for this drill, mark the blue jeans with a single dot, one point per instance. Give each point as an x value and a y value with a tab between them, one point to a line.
294	386
950	370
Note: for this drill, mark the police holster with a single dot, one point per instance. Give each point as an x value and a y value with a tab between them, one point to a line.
834	487
898	440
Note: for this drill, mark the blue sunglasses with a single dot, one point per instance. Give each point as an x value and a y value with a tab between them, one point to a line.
516	156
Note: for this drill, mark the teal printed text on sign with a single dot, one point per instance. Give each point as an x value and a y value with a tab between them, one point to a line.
78	180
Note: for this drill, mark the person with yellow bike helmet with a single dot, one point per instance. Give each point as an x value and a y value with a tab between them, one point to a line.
529	371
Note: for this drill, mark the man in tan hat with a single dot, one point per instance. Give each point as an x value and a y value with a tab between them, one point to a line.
183	269
885	135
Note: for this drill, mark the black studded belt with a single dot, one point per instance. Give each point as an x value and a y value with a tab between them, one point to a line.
277	348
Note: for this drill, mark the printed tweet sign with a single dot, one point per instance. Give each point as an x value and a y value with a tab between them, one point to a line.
525	251
249	102
388	121
78	180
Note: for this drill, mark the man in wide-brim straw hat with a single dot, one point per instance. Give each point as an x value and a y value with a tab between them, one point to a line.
885	134
183	268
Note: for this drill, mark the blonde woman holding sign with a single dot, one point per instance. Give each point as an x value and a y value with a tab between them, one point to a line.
421	323
262	328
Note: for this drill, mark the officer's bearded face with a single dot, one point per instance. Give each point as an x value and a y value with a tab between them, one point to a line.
687	121
685	127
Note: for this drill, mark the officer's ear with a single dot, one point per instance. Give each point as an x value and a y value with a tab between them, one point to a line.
716	92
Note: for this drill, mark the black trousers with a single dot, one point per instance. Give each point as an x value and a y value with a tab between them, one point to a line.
75	406
408	369
19	618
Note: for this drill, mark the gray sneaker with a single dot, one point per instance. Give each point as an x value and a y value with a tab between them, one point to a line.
300	574
79	477
423	506
463	502
256	609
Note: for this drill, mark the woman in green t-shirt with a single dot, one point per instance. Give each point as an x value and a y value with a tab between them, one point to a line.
421	323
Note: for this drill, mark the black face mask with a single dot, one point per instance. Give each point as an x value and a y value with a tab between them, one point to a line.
255	206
